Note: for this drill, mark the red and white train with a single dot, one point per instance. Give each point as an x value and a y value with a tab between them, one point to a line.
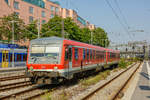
53	59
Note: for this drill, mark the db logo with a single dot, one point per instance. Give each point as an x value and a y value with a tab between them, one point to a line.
43	67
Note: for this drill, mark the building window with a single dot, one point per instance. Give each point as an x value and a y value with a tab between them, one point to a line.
7	1
67	13
57	10
52	15
43	21
17	13
30	19
43	13
52	8
31	10
16	5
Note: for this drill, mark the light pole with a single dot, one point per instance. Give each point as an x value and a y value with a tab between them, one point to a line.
38	27
91	37
13	31
105	41
62	30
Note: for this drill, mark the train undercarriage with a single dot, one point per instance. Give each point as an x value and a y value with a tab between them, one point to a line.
54	77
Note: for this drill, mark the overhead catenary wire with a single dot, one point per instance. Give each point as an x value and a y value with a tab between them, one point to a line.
123	17
72	4
118	18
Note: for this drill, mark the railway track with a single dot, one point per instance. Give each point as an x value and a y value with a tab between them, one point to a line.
124	85
16	94
27	93
92	93
4	70
12	78
43	92
8	87
38	90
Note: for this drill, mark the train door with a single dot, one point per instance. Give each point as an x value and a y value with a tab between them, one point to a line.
105	56
70	58
4	58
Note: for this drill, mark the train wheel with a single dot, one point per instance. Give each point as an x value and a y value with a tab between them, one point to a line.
33	80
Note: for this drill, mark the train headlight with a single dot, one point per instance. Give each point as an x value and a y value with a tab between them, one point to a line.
55	68
31	68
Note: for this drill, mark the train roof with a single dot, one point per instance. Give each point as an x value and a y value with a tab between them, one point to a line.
111	50
55	39
47	40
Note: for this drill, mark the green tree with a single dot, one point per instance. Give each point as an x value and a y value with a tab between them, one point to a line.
100	37
52	27
31	30
72	30
6	23
86	35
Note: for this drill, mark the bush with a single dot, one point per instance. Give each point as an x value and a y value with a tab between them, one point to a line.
122	63
95	79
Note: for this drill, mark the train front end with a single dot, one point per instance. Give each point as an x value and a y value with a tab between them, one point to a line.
44	63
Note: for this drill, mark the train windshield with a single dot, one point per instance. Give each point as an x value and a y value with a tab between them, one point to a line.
44	54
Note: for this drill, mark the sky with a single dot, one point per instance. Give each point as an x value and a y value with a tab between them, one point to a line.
134	16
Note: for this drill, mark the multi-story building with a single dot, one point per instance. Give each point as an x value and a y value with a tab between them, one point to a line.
30	10
41	10
76	18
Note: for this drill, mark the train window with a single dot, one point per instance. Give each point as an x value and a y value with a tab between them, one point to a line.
76	53
11	57
0	57
3	57
39	49
91	54
18	57
70	54
97	54
24	57
102	55
84	53
87	53
6	57
66	53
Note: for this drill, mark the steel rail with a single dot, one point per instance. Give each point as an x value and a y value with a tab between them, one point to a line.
14	85
3	70
12	77
34	87
39	94
124	85
104	85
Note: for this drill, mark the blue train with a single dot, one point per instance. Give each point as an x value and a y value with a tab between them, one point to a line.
6	52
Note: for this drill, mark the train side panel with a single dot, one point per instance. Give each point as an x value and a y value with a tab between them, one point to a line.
75	57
